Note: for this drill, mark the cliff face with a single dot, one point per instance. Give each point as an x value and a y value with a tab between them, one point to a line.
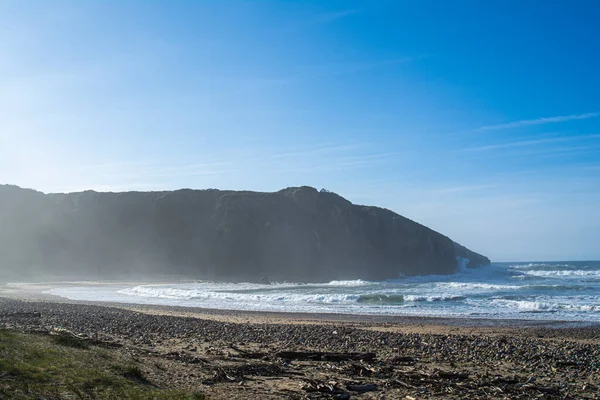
296	234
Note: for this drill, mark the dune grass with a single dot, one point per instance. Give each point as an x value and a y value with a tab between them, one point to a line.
58	367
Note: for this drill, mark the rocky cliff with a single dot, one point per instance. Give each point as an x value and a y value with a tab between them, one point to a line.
296	234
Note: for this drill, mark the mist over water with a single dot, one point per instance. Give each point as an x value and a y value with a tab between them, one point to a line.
549	291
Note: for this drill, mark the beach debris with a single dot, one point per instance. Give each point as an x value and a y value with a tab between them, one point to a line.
401	383
359	369
567	363
330	387
370	387
56	331
248	354
325	356
542	389
237	373
342	396
220	375
452	375
185	358
506	381
405	360
536	363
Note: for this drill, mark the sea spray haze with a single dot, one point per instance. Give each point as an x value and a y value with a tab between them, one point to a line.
545	291
296	234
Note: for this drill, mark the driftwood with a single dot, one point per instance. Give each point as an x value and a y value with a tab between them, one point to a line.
77	340
567	363
362	388
401	383
404	360
452	375
185	358
248	354
322	356
542	389
330	388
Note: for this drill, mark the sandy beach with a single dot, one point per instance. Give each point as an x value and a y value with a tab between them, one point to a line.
233	354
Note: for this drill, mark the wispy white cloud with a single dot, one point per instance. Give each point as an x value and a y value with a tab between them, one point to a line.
539	121
533	142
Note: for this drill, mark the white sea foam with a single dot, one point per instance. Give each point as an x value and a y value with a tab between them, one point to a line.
196	294
433	298
461	264
354	283
570	292
534	305
536	265
199	294
565	274
474	285
546	305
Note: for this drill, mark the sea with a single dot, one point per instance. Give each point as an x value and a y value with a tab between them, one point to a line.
561	291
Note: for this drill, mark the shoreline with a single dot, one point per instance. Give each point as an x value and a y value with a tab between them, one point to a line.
35	292
237	355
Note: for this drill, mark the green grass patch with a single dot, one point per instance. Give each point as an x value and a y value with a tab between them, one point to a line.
57	367
134	373
71	341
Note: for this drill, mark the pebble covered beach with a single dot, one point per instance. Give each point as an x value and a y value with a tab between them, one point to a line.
238	355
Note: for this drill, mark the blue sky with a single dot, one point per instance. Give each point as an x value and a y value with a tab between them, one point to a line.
478	119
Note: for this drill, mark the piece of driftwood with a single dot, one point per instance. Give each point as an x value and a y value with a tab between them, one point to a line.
330	388
77	338
403	384
567	363
543	389
452	375
371	387
185	358
248	354
404	360
322	356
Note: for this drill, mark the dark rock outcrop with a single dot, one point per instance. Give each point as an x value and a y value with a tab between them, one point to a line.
296	234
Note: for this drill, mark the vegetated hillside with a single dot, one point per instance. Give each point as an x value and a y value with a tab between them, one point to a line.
296	234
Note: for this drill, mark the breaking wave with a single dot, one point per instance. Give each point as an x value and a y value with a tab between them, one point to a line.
354	283
195	294
190	294
559	291
540	266
545	306
563	274
434	298
475	285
